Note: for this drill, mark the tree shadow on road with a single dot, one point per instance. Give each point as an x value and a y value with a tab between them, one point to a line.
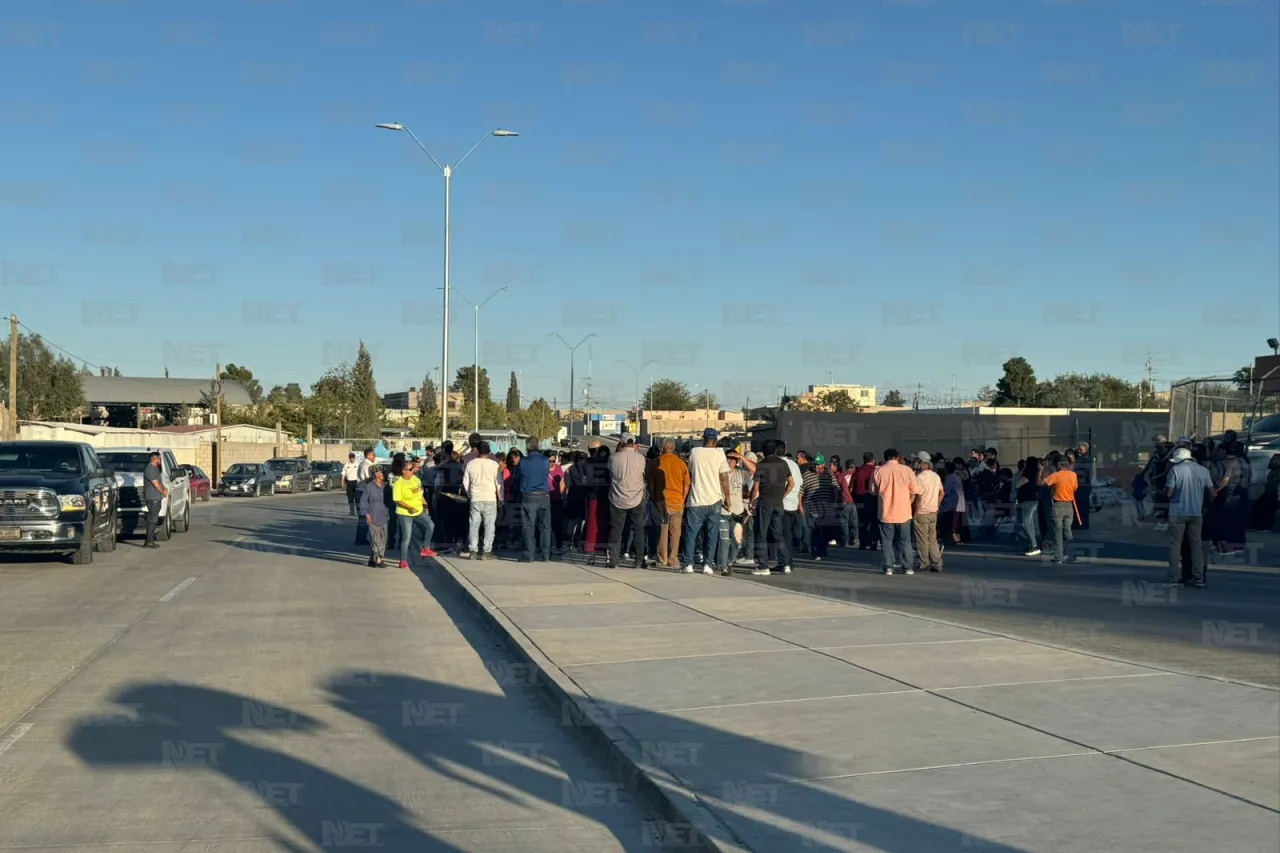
191	729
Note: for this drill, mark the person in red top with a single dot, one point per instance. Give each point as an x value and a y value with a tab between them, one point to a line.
865	500
848	512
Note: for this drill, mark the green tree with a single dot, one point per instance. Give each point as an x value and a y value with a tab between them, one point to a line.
366	403
668	395
894	398
328	408
244	376
290	393
537	421
513	394
466	383
49	386
428	399
1018	386
1244	378
838	401
1087	391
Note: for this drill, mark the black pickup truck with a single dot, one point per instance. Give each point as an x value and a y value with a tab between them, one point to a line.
56	497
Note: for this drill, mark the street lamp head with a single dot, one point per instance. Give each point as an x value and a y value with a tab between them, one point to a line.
391	126
501	132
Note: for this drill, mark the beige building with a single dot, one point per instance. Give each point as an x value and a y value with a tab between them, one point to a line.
407	401
863	395
690	424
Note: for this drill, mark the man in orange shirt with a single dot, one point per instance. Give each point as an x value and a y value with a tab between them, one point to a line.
671	481
1063	485
895	487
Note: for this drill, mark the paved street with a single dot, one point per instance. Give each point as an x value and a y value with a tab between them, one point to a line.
253	687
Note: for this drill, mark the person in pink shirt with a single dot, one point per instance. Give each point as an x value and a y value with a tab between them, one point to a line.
895	487
925	523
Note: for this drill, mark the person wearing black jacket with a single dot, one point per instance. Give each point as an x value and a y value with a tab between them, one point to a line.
986	482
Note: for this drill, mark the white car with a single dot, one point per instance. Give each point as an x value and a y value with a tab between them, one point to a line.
128	465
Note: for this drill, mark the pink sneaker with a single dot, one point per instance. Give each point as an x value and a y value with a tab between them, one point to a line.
403	564
427	552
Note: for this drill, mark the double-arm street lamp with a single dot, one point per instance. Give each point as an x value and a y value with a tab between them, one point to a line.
476	367
573	349
447	171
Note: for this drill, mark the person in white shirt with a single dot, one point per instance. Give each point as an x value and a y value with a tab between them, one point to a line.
364	471
708	493
482	483
791	501
351	479
924	523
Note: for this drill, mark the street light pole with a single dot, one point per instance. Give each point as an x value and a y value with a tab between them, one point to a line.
475	368
573	349
447	171
636	371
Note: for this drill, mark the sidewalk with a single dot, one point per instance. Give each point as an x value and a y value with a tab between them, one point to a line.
770	720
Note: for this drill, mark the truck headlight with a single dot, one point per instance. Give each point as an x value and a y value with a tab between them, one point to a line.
286	480
71	502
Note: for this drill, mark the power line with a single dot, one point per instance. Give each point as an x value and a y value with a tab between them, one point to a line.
62	350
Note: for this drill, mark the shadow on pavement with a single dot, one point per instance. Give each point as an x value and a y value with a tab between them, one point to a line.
192	729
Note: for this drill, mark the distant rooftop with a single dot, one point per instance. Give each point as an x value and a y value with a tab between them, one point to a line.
129	391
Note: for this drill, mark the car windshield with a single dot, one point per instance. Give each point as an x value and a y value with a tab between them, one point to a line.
282	465
1271	423
240	469
320	467
126	463
40	460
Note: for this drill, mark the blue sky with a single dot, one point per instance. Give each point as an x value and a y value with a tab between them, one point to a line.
752	194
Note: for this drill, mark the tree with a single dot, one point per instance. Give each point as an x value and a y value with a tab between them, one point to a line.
1087	391
1017	387
674	396
329	406
49	386
513	394
466	383
987	394
537	421
894	398
282	394
1244	378
244	376
827	401
366	403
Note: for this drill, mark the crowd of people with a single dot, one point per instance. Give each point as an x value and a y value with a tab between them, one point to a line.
714	509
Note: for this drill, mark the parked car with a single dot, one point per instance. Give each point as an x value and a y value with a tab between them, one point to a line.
128	463
56	497
292	475
201	486
326	475
247	478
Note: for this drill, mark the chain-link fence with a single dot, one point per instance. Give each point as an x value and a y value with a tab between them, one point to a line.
1211	405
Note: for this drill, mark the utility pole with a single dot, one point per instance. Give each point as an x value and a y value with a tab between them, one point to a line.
217	447
916	403
11	428
1150	385
953	393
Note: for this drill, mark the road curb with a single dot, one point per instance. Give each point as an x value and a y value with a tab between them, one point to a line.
685	822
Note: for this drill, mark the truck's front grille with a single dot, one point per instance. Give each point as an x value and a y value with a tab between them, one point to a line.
28	503
130	497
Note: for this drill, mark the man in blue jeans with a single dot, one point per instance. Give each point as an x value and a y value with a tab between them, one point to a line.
708	495
534	490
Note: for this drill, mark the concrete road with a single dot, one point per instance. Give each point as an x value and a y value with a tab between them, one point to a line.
1114	606
253	687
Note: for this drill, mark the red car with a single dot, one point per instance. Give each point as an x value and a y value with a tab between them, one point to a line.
201	486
